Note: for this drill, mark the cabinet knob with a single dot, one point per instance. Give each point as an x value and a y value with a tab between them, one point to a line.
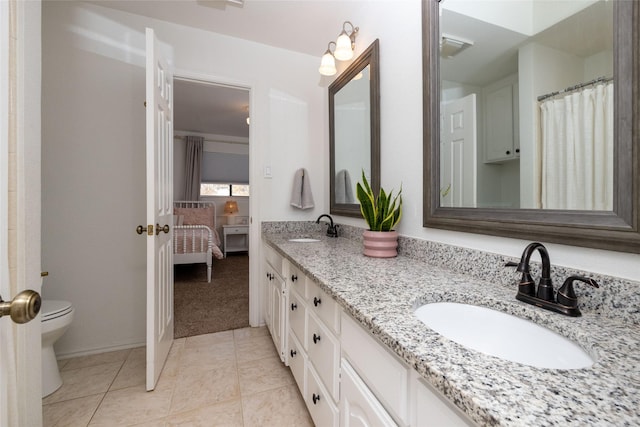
517	150
316	338
315	398
317	301
508	152
293	306
293	353
294	277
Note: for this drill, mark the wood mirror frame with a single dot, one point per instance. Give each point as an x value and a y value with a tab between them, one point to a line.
617	230
369	57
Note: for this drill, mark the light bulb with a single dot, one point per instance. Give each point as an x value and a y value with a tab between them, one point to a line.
343	50
328	64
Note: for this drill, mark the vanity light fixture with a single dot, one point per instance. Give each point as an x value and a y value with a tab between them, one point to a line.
346	43
328	63
343	50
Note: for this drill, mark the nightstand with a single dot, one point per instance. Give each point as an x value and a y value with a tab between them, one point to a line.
236	238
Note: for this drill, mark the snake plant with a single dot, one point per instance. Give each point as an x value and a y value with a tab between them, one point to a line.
383	212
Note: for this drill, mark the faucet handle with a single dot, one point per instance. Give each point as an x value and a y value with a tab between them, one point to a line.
566	296
526	285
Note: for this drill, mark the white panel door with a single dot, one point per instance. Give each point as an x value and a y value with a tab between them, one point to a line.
159	210
458	153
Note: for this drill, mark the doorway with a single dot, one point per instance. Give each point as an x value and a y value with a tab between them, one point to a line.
219	115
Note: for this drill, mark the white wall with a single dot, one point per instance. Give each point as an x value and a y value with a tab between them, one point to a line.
93	153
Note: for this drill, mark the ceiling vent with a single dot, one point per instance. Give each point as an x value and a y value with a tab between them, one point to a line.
450	46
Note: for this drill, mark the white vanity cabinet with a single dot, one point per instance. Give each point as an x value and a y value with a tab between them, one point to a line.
346	376
501	121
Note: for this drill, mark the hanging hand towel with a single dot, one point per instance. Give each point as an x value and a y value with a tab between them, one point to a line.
344	192
301	196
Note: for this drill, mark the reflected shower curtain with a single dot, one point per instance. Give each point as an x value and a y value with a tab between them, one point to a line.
193	165
576	150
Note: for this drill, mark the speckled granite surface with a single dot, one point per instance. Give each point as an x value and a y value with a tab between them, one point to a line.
382	293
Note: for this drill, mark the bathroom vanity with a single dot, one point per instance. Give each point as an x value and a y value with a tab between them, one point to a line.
346	326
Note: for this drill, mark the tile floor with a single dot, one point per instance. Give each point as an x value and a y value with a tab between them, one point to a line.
231	378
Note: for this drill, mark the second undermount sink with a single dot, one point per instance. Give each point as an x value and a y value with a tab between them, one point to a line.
503	335
304	240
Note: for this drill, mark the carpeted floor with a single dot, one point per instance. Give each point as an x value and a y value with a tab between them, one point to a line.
204	308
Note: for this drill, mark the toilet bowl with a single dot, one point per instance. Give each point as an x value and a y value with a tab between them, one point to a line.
56	318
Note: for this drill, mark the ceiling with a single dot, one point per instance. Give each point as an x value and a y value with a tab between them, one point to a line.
304	26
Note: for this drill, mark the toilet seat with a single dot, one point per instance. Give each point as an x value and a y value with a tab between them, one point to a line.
52	309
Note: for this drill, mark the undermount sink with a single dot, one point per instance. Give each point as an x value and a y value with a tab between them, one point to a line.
304	240
503	335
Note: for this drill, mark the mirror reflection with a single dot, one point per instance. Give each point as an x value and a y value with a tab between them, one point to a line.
527	111
354	132
352	127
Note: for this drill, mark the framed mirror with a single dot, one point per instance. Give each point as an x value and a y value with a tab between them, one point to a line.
525	66
354	131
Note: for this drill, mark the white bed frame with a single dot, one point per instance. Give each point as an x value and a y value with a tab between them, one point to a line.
201	239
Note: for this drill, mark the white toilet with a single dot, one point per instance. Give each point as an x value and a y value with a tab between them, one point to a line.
56	318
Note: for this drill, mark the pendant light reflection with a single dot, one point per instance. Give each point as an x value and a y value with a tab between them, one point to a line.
343	50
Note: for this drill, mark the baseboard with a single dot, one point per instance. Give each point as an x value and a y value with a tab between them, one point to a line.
100	350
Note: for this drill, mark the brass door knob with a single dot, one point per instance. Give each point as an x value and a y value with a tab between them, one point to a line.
23	308
141	229
159	229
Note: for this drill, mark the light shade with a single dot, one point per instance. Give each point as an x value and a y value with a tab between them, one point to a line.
231	207
343	50
327	64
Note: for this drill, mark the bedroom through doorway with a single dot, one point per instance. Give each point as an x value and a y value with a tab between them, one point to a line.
211	165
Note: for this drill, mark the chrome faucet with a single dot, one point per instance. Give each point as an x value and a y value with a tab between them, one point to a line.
566	302
332	230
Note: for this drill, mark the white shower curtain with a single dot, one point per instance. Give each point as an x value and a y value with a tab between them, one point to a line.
576	150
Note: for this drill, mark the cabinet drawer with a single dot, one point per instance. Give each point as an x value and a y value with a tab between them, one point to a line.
236	230
297	317
323	306
297	363
297	279
384	374
322	409
323	350
273	258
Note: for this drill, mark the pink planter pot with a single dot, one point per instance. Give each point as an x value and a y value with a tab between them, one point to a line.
380	244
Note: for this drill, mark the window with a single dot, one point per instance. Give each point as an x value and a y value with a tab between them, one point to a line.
210	189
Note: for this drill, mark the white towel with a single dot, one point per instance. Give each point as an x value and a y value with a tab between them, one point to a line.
344	192
301	196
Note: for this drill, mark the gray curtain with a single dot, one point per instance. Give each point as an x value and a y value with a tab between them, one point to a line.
192	168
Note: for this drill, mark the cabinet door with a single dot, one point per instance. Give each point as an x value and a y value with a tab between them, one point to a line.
358	406
267	296
278	301
499	124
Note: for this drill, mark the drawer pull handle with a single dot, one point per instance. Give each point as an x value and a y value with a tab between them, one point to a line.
315	398
293	306
317	301
293	353
316	338
294	277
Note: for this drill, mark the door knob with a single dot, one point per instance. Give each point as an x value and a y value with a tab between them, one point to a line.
159	229
23	308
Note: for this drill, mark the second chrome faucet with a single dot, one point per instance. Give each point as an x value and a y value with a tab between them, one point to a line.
564	302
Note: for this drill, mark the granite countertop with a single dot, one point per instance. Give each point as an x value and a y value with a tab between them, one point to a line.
381	295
